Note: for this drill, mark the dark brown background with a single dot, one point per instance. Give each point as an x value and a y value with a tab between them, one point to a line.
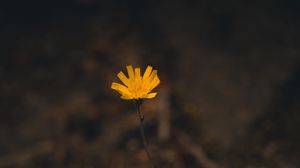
229	93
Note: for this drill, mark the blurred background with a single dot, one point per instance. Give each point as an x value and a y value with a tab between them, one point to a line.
229	94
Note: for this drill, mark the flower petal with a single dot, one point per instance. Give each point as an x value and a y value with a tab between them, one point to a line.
153	74
137	72
147	72
120	88
130	72
123	78
154	82
126	97
151	95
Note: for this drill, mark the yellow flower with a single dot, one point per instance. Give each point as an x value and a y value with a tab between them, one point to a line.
136	86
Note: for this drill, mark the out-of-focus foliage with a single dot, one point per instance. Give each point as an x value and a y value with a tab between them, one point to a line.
229	93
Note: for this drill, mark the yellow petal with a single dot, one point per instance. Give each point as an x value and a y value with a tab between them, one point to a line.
126	97
154	83
153	74
137	73
123	78
151	95
120	88
130	72
147	72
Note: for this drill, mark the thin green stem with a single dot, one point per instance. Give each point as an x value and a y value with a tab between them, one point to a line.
137	104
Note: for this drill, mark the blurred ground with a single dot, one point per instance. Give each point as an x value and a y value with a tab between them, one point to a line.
229	93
